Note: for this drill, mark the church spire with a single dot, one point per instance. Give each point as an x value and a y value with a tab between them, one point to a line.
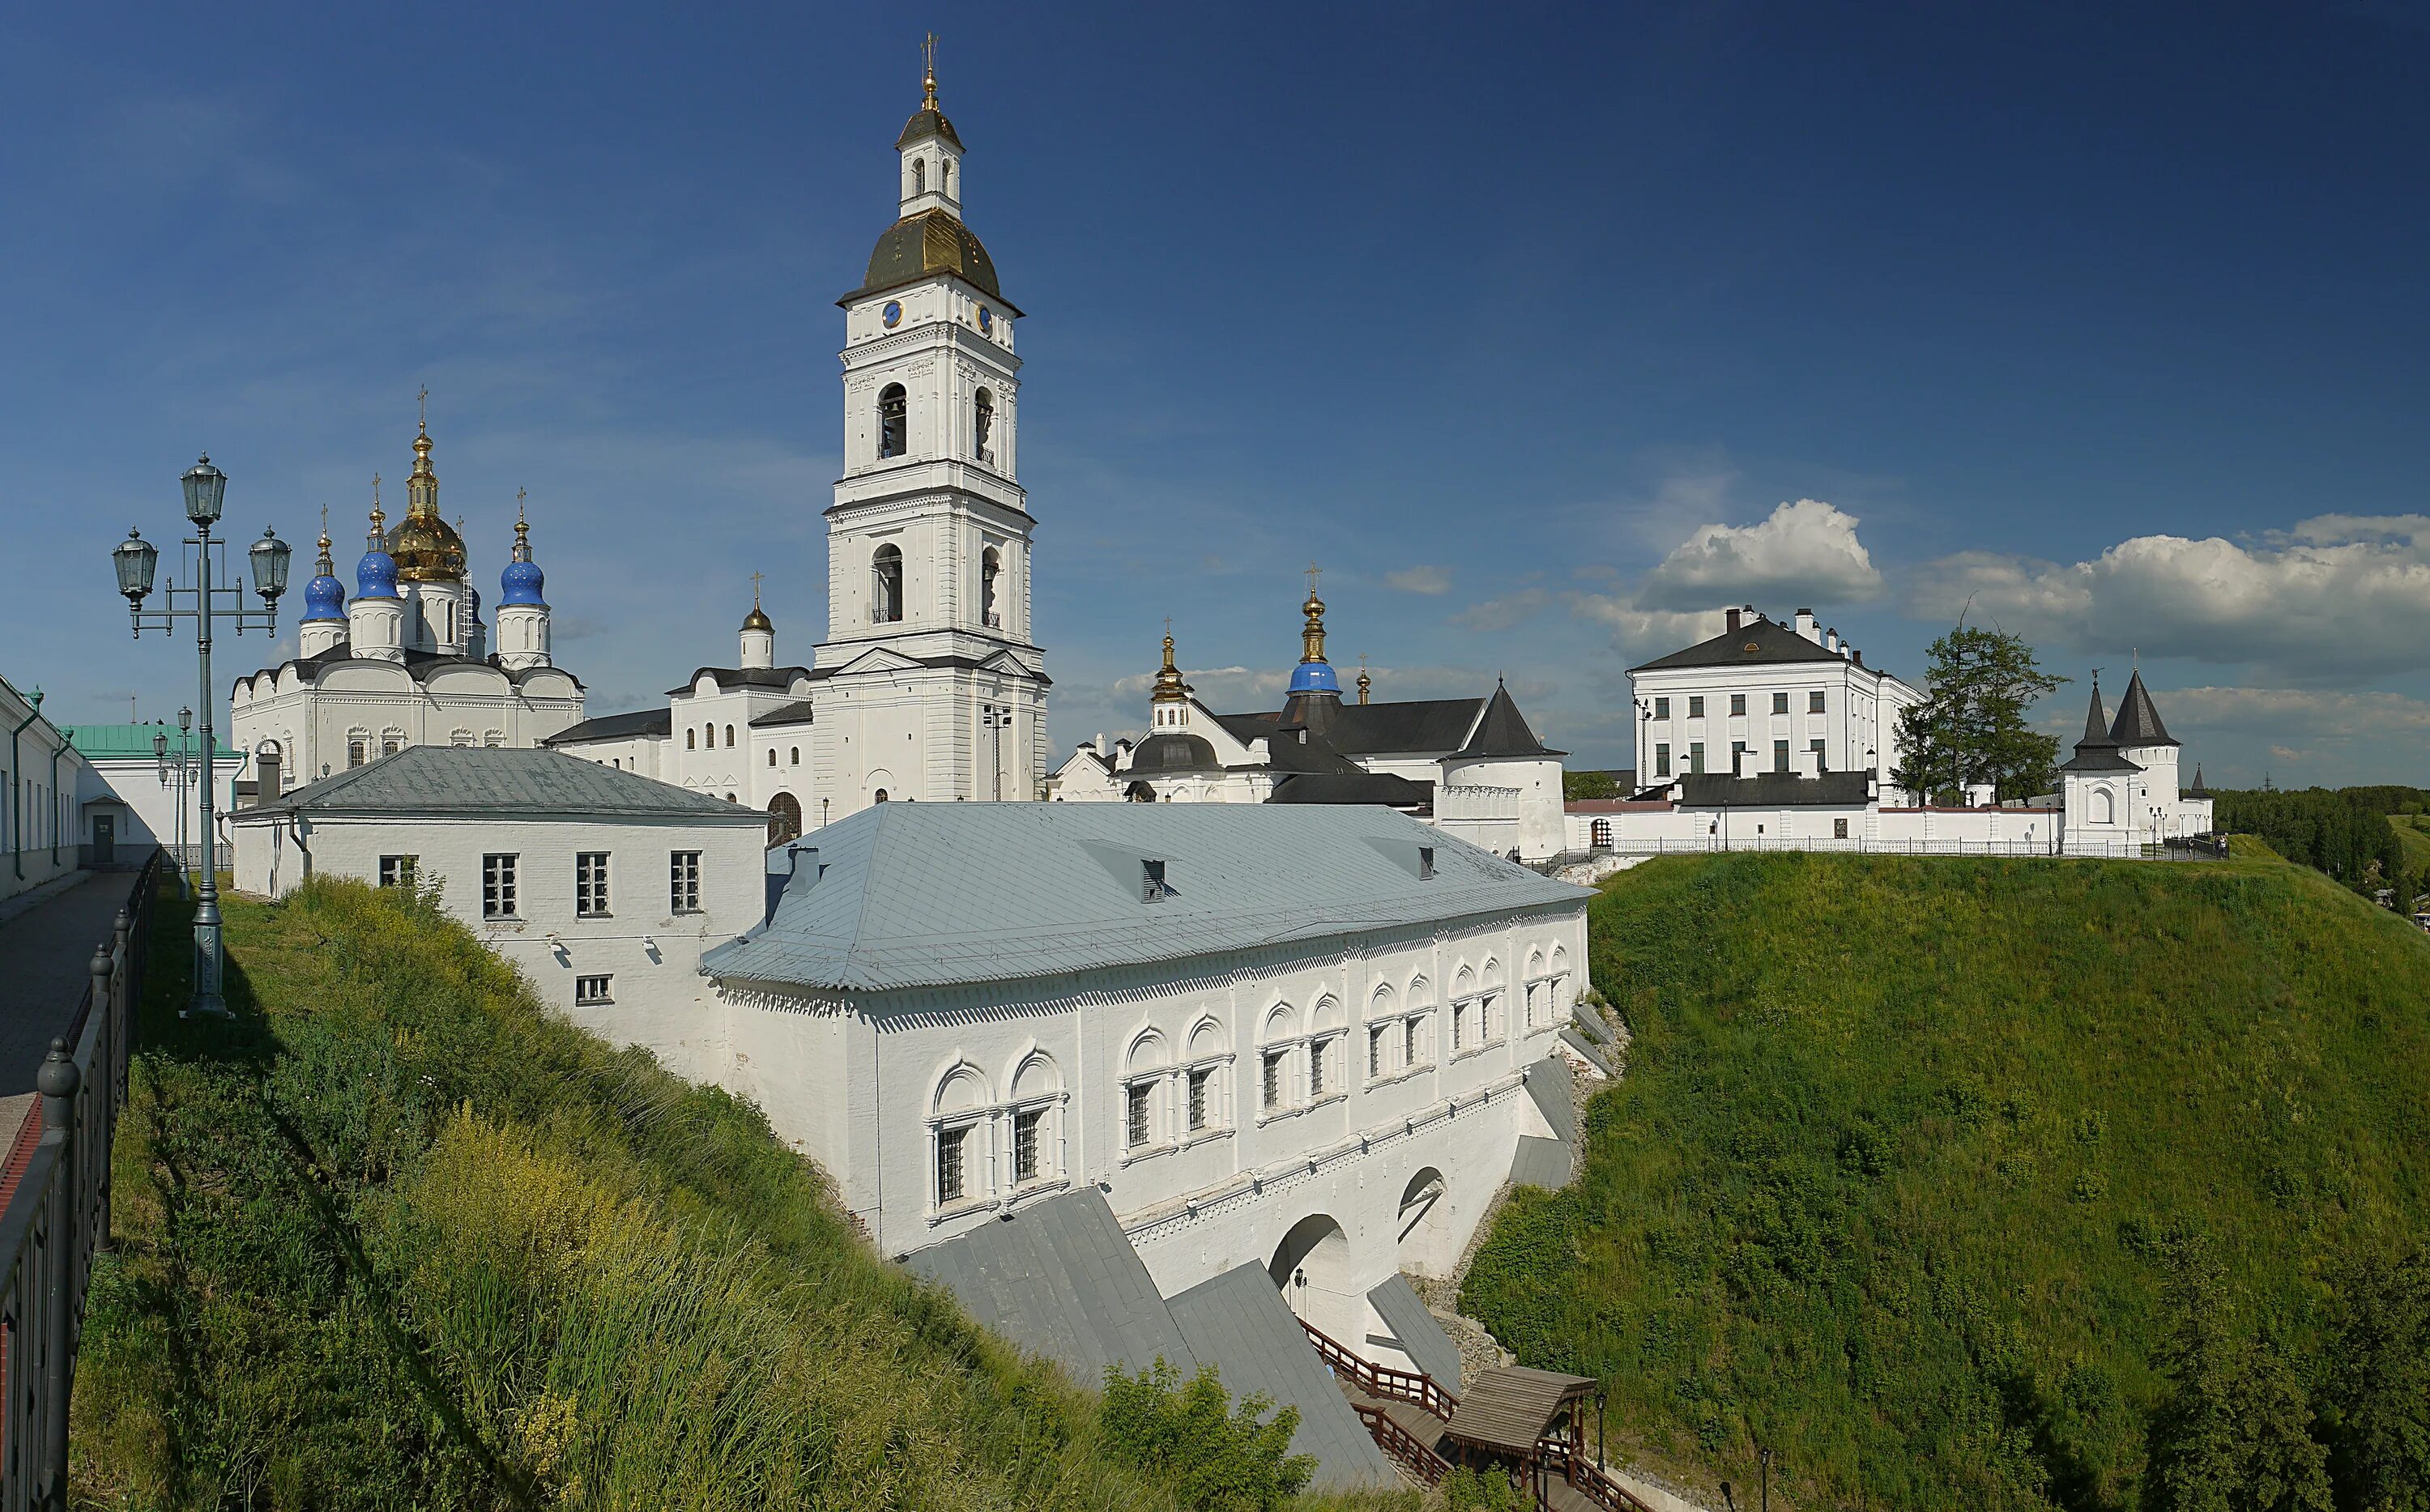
1169	688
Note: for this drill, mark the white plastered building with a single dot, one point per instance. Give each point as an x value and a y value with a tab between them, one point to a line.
1470	766
2121	788
407	661
604	888
1303	1039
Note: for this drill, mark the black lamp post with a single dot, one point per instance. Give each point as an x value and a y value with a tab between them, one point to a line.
208	599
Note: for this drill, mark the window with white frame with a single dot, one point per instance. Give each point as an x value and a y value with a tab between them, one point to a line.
1271	1081
398	870
592	991
1202	1099
498	887
1318	1053
952	1184
591	884
359	746
683	881
1028	1129
391	742
1137	1110
1376	1051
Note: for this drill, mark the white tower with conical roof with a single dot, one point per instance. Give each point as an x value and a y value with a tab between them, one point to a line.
930	684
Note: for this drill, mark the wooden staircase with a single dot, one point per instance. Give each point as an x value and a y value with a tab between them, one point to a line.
1409	1413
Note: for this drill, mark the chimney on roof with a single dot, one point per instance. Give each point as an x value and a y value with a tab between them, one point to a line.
1831	641
1730	620
1856	656
1805	626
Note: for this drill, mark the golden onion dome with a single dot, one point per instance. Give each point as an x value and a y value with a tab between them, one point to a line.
427	550
926	244
757	620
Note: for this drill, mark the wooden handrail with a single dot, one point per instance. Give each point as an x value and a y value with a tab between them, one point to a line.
1421	1461
1413	1387
1590	1478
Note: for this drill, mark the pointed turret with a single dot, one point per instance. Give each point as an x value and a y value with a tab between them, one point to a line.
2096	751
522	608
323	628
2138	720
376	621
759	638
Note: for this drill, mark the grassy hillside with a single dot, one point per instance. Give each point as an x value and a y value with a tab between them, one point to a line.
398	1239
1903	1144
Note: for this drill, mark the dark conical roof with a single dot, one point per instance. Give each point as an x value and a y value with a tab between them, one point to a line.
2096	723
1502	731
2198	790
2139	723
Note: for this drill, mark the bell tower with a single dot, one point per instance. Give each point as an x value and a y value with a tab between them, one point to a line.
930	685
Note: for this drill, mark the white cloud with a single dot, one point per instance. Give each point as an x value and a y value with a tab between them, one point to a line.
2321	714
1502	612
1806	552
1636	630
1420	580
2338	598
1222	689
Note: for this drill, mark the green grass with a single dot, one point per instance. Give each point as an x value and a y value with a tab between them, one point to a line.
397	1238
2413	833
1902	1144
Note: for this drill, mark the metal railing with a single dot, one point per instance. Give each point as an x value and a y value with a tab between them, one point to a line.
2176	848
1413	1387
55	1211
1590	1480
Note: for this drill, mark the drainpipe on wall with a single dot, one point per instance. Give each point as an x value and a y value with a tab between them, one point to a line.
56	826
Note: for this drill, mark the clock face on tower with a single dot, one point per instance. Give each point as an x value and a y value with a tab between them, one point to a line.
891	314
987	320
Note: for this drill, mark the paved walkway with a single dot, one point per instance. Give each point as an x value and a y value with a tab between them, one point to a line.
46	960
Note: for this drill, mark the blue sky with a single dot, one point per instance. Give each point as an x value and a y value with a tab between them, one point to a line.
1545	331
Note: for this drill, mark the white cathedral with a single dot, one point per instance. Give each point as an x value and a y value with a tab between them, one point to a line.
929	685
407	661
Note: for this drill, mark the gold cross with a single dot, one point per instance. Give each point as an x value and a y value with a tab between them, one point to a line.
519	506
1168	627
1314	572
324	518
755	590
376	491
424	399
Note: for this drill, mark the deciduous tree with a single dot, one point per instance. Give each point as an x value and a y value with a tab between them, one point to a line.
1971	728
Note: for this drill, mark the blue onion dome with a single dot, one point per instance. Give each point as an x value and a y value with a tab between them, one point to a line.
375	574
324	597
522	581
1314	678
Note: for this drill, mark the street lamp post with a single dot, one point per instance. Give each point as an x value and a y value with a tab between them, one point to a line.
177	773
206	490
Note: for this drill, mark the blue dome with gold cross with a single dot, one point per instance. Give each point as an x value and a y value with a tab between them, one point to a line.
324	597
375	574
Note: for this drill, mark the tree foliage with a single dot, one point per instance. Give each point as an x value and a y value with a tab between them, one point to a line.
1222	1458
2375	1390
1970	727
2235	1434
1577	784
2344	832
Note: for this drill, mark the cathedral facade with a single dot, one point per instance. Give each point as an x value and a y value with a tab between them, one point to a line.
407	661
929	685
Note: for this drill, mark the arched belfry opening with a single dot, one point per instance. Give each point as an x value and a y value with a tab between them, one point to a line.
919	176
893	422
886	585
983	427
991	572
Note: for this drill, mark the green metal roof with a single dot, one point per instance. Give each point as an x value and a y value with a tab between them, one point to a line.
102	741
927	894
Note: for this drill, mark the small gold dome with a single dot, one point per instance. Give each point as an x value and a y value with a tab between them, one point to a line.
757	620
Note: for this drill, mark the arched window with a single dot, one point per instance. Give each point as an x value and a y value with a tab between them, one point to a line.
1599	833
2103	809
793	755
990	567
1037	1119
689	743
957	1130
945	176
783	818
919	176
1143	1074
730	738
893	422
881	796
886	585
983	427
771	755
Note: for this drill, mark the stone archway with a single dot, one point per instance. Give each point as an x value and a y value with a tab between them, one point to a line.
783	818
1311	1268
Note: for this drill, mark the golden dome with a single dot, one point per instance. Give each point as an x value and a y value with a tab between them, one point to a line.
1169	688
757	620
427	550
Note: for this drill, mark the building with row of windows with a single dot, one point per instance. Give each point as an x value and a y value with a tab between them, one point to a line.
605	888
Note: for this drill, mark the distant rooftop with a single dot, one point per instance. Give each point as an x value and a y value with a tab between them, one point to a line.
100	742
458	780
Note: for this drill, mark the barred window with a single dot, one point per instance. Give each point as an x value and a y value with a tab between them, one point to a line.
398	870
1317	1055
498	887
1024	1143
1274	1082
1409	1042
1135	1114
683	881
1460	1026
1200	1083
1375	1052
591	884
949	1165
590	992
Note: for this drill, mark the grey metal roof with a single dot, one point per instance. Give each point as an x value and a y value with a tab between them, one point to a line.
730	678
1540	1162
1548	1088
1414	726
636	724
1755	642
1387	787
1503	732
1419	1335
796	713
423	781
1240	1324
1059	1280
1773	789
909	894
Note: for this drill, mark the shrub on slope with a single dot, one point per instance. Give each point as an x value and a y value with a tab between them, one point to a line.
1905	1146
397	1238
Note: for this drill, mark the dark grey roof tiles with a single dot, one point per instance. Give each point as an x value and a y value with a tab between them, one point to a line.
796	713
495	781
1059	1280
1422	1339
730	678
1240	1324
1387	789
638	724
1773	789
2138	720
1755	643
